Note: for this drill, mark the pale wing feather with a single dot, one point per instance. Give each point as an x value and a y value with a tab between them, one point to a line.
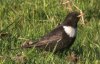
52	38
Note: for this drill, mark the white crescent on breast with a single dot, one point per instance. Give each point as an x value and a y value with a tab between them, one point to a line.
70	31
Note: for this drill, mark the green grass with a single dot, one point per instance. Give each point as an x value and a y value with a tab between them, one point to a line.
33	18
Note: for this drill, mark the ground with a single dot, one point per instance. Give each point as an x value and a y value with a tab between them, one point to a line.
21	20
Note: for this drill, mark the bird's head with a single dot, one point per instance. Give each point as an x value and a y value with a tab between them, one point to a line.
72	19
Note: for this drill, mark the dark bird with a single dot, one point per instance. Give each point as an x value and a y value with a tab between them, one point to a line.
60	38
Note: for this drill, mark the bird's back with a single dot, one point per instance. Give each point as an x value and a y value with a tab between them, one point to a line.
56	40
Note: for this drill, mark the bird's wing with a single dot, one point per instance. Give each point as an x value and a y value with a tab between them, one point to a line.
51	38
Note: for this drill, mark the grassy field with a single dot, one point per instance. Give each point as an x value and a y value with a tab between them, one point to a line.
30	19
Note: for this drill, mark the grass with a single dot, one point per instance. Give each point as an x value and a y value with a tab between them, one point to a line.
33	18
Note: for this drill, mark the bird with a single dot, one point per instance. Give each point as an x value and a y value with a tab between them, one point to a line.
60	38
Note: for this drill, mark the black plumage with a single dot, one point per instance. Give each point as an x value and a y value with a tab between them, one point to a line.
58	39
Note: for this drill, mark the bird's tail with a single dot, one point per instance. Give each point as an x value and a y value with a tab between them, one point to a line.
28	44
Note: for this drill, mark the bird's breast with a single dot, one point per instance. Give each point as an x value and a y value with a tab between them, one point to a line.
70	31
